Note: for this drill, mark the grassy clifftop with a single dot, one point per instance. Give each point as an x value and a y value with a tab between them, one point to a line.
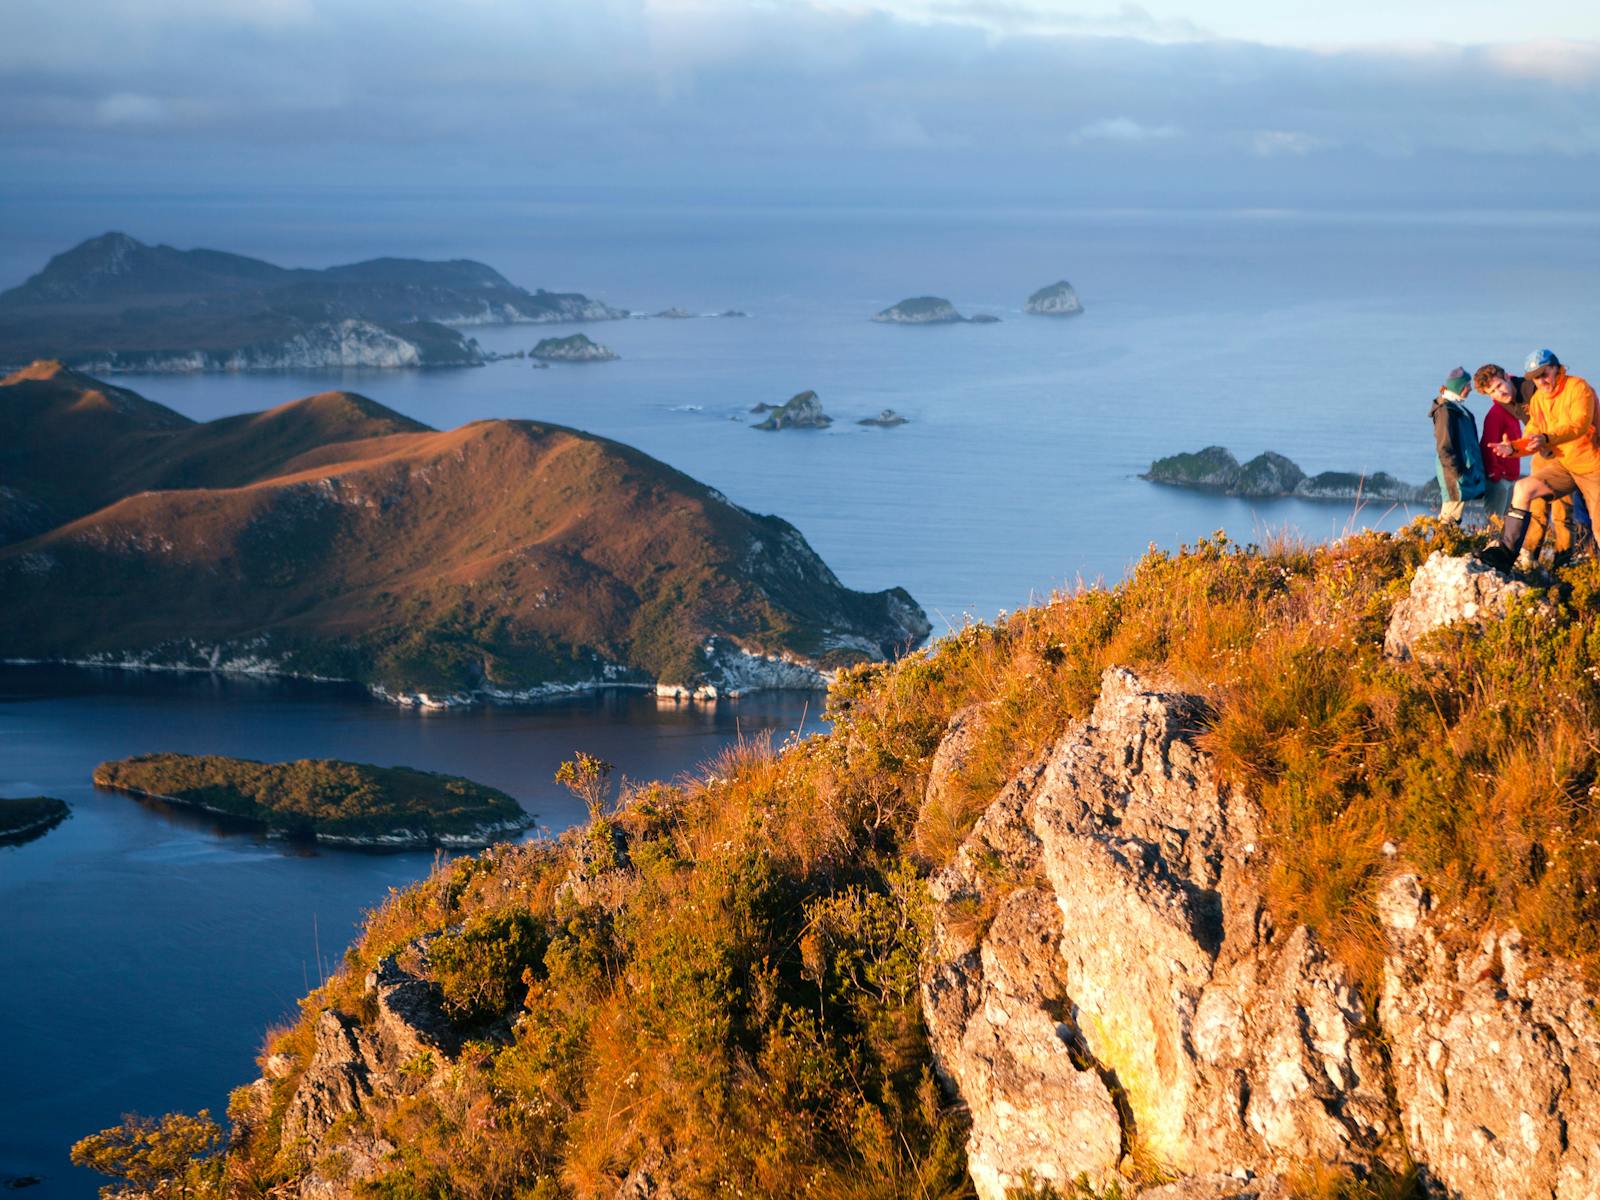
717	984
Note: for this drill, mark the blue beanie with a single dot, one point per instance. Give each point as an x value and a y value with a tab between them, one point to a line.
1458	383
1539	359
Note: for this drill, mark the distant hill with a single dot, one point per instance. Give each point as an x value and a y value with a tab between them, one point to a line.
115	303
332	537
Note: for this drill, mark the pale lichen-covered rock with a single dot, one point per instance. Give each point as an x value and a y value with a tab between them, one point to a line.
1447	589
1496	1058
1126	994
1105	987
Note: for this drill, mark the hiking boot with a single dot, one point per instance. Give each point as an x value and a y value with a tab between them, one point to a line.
1526	563
1497	555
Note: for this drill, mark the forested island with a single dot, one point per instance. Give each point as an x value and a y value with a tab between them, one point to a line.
1269	474
23	818
325	800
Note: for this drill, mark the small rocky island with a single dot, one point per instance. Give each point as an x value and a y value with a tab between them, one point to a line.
340	803
1215	469
887	419
801	411
1057	300
929	310
575	349
24	818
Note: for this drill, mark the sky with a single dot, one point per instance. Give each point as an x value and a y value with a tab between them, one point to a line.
1469	104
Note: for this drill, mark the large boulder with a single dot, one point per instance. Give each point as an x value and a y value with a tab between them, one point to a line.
1445	590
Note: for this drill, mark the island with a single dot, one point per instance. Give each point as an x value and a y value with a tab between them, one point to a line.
674	314
800	411
575	349
333	538
1215	469
325	800
887	419
928	310
1057	300
113	303
23	818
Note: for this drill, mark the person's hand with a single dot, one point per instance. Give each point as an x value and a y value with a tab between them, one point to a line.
1537	442
1503	448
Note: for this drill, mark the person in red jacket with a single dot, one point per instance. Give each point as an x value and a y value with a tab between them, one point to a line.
1502	423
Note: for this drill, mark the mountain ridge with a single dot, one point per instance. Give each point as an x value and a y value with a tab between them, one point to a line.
334	538
113	302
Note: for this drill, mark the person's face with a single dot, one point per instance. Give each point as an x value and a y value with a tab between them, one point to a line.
1498	390
1546	377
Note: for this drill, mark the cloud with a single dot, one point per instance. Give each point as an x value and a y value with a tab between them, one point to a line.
1016	94
1124	129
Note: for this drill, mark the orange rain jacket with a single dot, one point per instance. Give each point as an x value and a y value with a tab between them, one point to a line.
1568	418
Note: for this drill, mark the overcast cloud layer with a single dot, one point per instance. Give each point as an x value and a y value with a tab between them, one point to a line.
965	97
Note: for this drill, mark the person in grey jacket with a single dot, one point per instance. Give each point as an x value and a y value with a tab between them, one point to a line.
1455	436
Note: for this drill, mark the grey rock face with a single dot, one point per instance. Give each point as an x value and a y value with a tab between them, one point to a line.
1104	982
1496	1058
1057	300
359	1071
1446	590
801	411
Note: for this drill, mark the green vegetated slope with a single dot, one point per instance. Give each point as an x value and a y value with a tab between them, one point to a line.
721	979
318	797
333	537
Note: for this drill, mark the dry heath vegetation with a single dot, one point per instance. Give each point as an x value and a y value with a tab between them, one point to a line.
725	977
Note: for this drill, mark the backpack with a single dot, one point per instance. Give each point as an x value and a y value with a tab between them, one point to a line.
1464	434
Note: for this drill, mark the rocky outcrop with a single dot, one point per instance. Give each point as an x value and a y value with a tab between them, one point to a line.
1496	1058
356	1073
575	349
1106	987
920	310
1445	590
1269	474
800	411
887	419
1057	300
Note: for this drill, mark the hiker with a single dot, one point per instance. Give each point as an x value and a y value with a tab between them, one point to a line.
1455	434
1563	421
1502	423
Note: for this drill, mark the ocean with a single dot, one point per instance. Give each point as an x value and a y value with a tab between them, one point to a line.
148	951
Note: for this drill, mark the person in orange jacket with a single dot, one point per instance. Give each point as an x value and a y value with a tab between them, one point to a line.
1564	419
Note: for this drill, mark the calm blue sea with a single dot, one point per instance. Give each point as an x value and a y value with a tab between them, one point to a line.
147	952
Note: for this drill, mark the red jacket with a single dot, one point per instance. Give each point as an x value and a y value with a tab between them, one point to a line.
1498	425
